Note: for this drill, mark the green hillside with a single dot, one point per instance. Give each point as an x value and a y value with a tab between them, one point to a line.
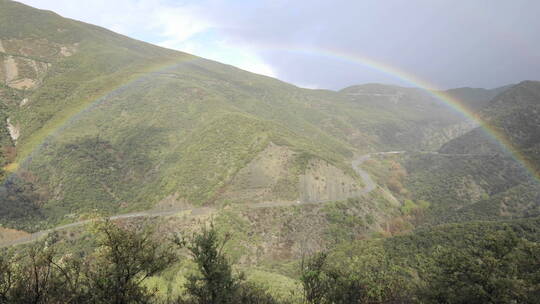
404	118
101	122
513	114
473	177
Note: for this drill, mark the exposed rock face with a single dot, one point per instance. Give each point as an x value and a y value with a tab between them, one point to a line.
258	180
22	73
11	72
67	51
324	182
25	62
271	177
14	131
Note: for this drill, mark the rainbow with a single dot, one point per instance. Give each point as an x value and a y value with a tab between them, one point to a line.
66	120
341	55
414	81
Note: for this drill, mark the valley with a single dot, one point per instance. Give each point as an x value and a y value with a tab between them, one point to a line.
149	175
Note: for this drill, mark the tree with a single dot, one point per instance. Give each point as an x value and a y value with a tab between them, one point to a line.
313	278
123	260
216	283
368	277
36	276
113	273
503	269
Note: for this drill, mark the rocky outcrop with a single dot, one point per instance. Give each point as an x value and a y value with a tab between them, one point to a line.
259	180
24	63
324	182
14	131
22	73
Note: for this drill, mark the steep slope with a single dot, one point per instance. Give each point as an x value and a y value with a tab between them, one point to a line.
52	67
475	99
473	177
99	122
109	124
454	183
411	119
514	115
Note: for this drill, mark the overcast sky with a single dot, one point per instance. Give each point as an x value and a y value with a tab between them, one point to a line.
336	43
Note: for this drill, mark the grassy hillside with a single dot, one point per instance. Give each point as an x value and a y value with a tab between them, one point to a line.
475	99
473	177
101	122
513	115
401	118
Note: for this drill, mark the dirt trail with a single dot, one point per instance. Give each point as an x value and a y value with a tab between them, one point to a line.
370	185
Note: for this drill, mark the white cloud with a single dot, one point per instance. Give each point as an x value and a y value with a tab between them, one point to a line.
258	67
179	24
184	27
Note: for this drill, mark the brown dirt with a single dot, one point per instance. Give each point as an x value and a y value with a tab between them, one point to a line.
7	234
323	181
256	181
10	69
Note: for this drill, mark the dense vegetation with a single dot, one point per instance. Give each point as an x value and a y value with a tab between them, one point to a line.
109	114
512	116
468	263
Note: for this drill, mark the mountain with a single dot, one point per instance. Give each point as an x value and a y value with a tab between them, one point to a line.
98	122
514	115
475	99
473	176
410	118
413	119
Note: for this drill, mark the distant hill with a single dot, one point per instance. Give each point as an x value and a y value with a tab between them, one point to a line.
406	118
475	99
514	115
474	177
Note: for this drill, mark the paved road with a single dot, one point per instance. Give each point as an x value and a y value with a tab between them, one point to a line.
370	185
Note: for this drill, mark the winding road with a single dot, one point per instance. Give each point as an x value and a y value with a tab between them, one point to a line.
369	185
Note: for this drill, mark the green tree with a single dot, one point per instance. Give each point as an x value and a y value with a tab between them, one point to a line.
123	260
369	277
215	282
113	273
503	269
313	278
37	275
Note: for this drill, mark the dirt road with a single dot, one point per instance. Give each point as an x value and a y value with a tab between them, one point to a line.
369	185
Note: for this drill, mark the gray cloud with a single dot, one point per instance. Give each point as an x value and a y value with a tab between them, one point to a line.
450	43
483	43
